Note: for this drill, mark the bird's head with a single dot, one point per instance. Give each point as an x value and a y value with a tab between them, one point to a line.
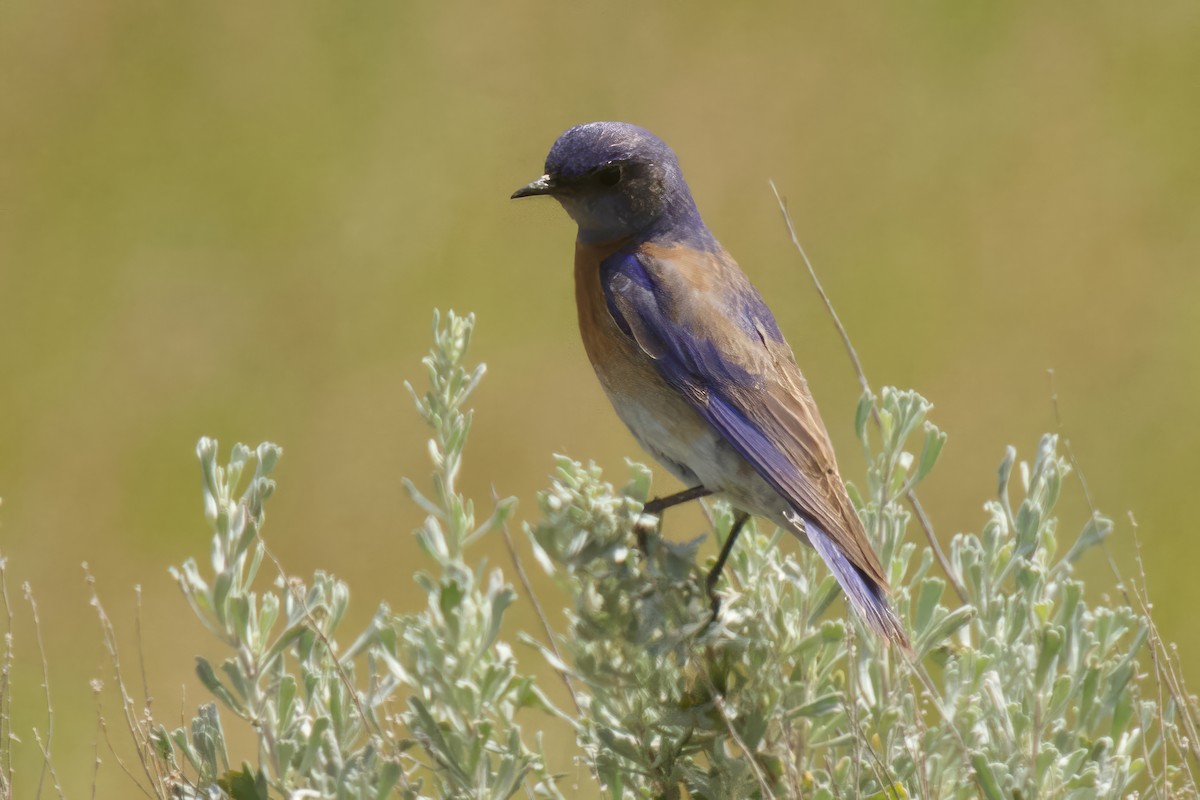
616	180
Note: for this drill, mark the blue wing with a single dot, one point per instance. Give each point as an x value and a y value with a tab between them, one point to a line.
713	339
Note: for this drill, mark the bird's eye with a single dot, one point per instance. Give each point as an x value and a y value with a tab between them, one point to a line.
609	176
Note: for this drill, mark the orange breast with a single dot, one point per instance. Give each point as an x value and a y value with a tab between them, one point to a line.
620	364
661	419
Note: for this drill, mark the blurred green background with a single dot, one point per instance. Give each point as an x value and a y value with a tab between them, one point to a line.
235	219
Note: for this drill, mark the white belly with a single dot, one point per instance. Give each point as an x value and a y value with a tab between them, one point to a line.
697	455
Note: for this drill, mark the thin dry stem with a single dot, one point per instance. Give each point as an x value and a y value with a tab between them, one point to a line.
537	609
1154	645
141	650
910	494
103	726
6	735
719	703
96	744
852	678
150	765
931	691
1165	669
47	765
368	723
44	747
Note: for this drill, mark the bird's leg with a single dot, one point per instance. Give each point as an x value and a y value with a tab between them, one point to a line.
710	583
660	504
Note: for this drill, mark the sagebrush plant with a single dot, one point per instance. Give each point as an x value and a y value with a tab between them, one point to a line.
1029	691
1015	686
417	705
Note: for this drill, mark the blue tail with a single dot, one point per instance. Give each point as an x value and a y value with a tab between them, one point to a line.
867	597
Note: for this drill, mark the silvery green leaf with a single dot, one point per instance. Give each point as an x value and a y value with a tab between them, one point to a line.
161	740
862	413
1051	644
312	742
241	530
501	601
1004	475
640	477
1053	486
283	642
928	597
339	602
1087	693
944	628
1095	530
237	611
184	745
285	697
985	777
1029	518
211	682
221	589
233	674
935	440
818	707
823	597
267	617
245	784
887	421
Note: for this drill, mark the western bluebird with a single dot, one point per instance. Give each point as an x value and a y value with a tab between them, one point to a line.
693	360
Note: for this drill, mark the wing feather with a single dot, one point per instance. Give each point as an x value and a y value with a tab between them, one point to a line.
712	337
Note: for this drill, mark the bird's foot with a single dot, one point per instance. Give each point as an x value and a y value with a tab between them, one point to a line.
714	575
656	507
661	504
714	601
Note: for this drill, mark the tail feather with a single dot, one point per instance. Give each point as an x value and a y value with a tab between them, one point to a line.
866	597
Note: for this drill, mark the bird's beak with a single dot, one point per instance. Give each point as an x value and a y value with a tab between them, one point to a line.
543	185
